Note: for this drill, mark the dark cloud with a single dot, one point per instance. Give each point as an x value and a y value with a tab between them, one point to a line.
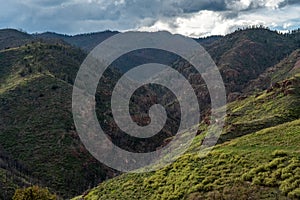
74	16
47	3
190	6
289	2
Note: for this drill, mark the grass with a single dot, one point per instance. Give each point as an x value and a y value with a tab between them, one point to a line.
274	106
249	165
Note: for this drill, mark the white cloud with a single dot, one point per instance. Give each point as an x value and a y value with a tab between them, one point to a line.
287	25
206	23
248	4
273	3
239	5
201	23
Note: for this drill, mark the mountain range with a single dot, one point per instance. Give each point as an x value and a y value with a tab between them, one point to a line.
257	155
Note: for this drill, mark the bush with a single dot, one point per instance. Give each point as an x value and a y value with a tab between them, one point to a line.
279	153
34	193
295	193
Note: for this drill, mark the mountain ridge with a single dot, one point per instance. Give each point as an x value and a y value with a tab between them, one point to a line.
36	77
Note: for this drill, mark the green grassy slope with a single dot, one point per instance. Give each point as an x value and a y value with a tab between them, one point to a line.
278	104
264	164
60	60
254	165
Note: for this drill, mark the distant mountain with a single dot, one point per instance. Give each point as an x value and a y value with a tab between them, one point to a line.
13	38
10	38
84	41
208	40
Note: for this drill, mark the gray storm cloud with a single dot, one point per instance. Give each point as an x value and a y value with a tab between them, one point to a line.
76	16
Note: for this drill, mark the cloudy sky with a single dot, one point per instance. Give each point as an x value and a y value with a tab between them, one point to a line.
194	18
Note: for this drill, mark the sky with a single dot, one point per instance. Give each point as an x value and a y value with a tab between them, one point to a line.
194	18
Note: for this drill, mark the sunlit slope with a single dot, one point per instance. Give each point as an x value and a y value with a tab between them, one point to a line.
257	158
262	165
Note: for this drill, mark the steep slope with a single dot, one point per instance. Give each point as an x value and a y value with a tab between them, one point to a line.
36	126
285	69
263	164
278	104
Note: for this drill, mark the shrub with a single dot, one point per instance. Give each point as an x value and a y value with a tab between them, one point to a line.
34	193
279	153
295	193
